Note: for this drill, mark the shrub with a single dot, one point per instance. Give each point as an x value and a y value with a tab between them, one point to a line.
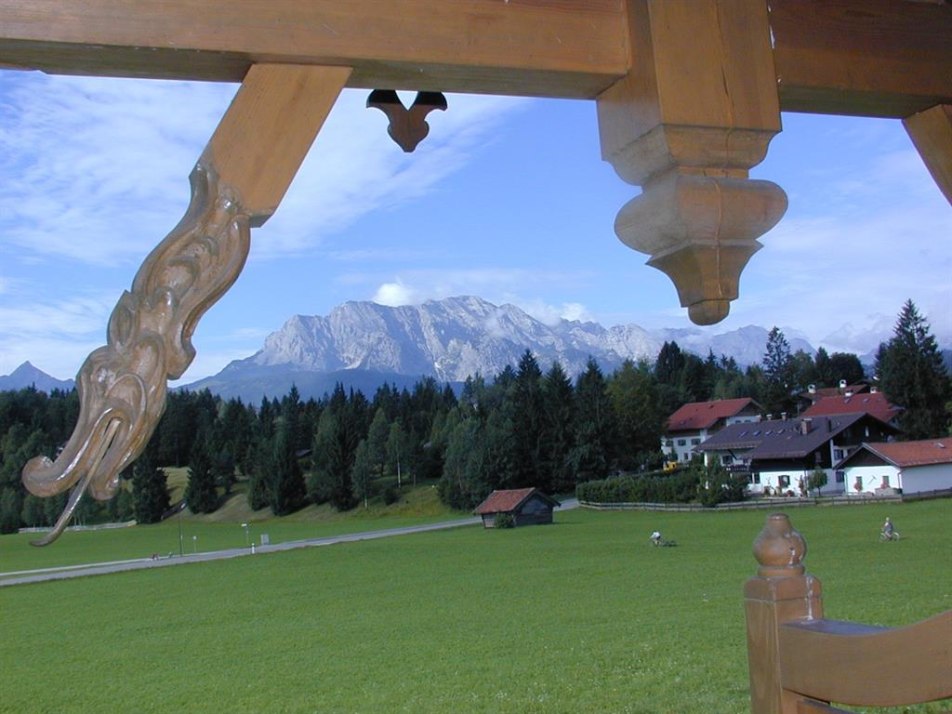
504	520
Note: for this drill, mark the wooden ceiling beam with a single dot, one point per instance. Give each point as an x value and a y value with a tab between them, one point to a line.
882	58
562	48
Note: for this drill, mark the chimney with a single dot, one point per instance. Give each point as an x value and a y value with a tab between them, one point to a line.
842	384
812	389
805	426
783	416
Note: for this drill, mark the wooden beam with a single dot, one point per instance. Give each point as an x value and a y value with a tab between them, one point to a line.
868	666
562	48
882	58
931	132
269	127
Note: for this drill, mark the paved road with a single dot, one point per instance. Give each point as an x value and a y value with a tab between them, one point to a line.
79	571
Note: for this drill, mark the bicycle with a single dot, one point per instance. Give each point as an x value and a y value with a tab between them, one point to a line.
884	536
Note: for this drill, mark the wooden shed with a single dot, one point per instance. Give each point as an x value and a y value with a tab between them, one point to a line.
527	506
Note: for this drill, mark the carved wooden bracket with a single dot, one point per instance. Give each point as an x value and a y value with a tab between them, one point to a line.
122	386
408	127
237	183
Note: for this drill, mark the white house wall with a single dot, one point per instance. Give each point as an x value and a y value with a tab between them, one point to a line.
870	478
771	480
931	477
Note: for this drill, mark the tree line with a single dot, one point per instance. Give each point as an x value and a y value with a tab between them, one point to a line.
522	427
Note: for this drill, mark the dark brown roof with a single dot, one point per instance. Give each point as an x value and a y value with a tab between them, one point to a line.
508	500
703	415
783	438
874	403
910	453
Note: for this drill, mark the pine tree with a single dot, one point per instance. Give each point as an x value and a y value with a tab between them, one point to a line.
527	424
361	473
150	493
912	375
558	423
200	493
595	427
778	373
287	492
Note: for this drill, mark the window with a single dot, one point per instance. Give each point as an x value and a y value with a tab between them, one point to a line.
695	442
839	454
727	459
755	478
682	442
840	476
784	481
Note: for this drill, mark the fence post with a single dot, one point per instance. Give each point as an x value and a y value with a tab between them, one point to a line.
780	592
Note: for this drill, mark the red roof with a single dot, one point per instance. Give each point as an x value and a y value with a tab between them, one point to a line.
914	453
872	403
505	501
703	415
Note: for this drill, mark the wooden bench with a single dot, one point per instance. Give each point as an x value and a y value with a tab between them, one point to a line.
800	662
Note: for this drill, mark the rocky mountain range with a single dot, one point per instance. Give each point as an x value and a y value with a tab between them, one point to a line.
363	345
26	375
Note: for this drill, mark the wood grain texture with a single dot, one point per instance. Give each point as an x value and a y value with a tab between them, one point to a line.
570	48
886	58
866	666
931	132
266	133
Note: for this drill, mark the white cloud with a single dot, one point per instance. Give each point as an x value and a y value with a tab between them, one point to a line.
394	295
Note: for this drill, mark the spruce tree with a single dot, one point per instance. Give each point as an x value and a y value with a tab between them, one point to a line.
286	481
150	493
778	374
595	427
558	423
912	375
200	493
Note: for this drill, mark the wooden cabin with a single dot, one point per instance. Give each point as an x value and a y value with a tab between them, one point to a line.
525	506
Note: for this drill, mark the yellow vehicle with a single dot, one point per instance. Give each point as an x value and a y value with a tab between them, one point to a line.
670	466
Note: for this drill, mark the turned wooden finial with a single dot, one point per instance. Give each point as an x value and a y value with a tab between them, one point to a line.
779	548
695	113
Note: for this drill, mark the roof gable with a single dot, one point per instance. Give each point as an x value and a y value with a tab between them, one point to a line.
508	500
703	415
904	454
781	438
874	403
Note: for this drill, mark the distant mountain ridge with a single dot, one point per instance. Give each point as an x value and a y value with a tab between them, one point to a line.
367	344
26	375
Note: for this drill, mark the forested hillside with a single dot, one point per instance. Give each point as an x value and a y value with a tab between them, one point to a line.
522	427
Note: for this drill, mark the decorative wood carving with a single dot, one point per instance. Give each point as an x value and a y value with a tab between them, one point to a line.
407	127
695	113
122	385
799	661
236	184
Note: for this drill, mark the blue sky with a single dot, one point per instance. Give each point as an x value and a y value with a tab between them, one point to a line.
507	199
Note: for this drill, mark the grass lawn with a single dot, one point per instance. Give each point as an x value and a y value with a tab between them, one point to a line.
580	616
217	531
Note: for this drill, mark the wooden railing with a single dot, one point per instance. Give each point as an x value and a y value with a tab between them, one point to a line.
800	662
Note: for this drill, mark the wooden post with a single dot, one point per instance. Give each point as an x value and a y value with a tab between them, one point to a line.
781	592
931	132
694	114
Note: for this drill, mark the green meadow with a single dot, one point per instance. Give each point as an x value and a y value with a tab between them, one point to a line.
580	616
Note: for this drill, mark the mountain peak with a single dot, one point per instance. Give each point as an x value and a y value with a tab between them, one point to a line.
450	340
26	375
